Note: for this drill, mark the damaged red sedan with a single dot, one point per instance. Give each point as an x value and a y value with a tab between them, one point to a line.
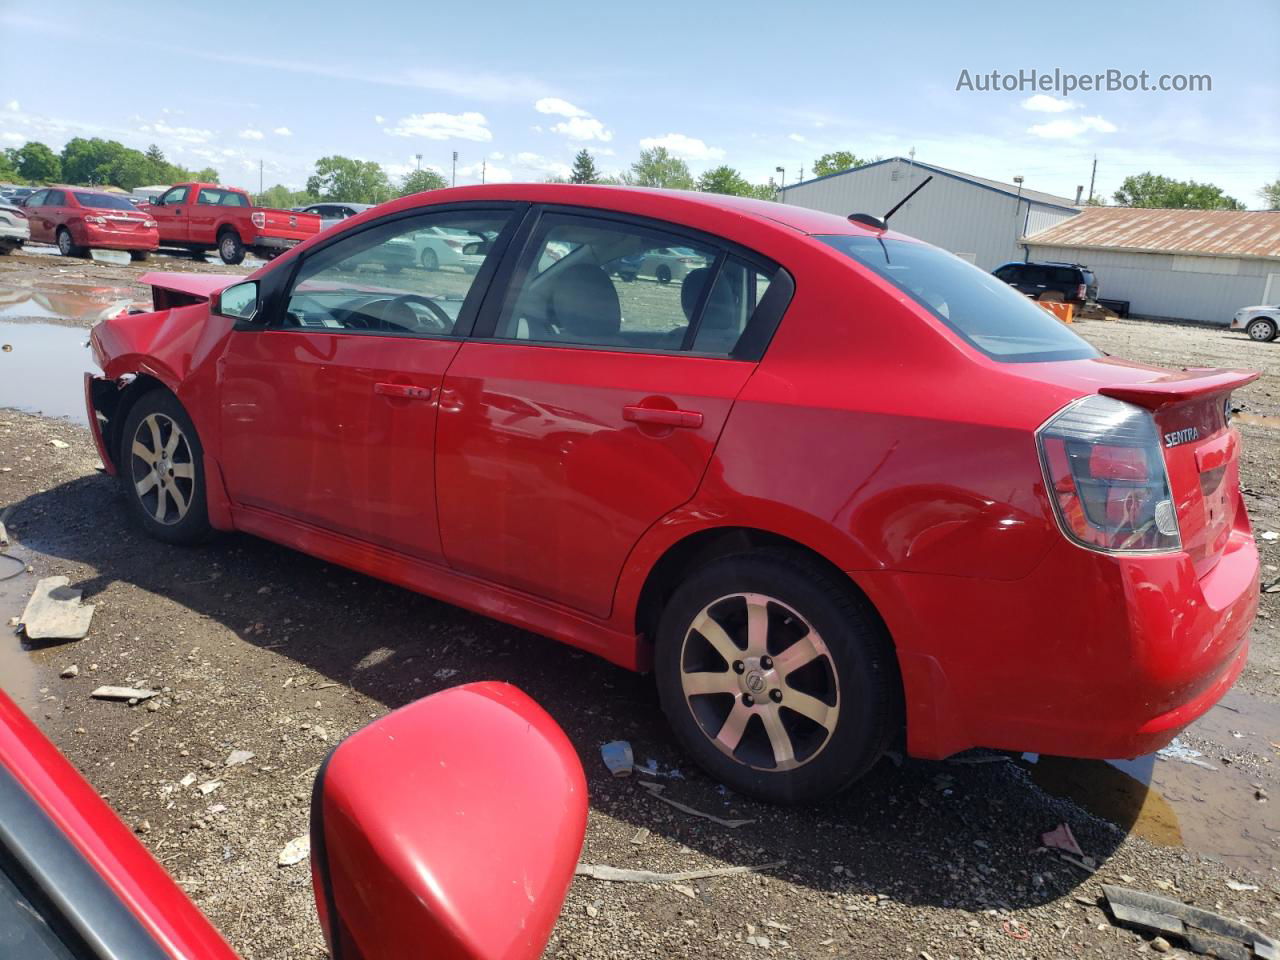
833	486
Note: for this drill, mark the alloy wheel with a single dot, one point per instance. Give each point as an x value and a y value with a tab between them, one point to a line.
228	249
760	682
162	468
64	243
1260	330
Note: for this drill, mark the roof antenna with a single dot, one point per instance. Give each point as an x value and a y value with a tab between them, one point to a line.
882	223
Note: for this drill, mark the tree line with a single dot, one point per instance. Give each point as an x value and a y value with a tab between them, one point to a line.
98	162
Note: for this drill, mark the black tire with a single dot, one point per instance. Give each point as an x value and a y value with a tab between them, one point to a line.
1261	329
856	675
663	274
9	246
192	524
429	259
66	245
139	256
230	248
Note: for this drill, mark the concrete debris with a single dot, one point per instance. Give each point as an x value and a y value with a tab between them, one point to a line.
120	258
1205	932
134	694
70	672
1180	751
208	788
641	836
600	871
238	757
1061	838
1269	535
445	673
1241	887
760	941
686	890
593	908
55	612
58	444
618	758
295	851
656	790
188	780
4	535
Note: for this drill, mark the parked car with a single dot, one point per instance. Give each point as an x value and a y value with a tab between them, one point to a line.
77	219
1261	323
666	264
474	782
832	486
332	214
1047	280
446	247
15	228
20	194
199	217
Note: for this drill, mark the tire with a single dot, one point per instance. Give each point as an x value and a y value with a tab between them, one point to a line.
230	248
175	508
1261	329
9	246
66	245
139	256
663	274
429	259
848	685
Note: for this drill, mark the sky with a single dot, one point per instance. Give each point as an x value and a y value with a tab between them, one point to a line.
521	87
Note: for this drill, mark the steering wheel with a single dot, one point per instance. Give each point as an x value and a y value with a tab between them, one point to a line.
399	313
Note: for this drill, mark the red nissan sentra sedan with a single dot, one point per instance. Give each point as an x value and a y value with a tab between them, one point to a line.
832	484
78	218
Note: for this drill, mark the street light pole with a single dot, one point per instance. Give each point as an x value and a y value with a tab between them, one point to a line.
454	181
418	157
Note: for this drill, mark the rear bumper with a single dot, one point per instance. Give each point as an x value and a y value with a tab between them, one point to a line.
107	239
1089	656
273	243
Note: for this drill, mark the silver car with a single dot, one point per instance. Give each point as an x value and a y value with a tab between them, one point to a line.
447	247
333	213
15	229
669	263
1262	323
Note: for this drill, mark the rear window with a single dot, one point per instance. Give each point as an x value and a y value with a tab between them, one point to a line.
988	313
103	201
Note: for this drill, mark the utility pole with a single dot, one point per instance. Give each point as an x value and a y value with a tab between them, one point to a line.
1092	175
259	177
484	165
418	157
454	181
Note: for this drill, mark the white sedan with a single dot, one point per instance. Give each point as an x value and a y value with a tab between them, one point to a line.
447	247
15	230
1261	323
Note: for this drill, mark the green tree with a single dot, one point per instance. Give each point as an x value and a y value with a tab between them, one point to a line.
725	179
36	162
1270	194
763	191
356	181
9	165
1150	190
421	180
207	175
658	168
836	162
283	198
584	168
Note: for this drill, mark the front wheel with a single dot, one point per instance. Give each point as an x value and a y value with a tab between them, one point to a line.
777	678
429	259
1262	330
161	470
231	248
139	256
663	274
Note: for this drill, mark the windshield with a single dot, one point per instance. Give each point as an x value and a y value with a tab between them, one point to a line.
982	309
103	201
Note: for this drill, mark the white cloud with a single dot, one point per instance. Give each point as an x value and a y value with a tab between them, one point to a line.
282	132
181	134
8	136
491	172
797	138
1068	128
1043	103
13	106
379	119
542	165
251	134
559	108
690	148
443	126
582	129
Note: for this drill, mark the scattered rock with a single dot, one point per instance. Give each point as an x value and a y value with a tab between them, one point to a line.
131	694
59	444
69	672
209	787
238	757
55	612
295	851
1161	945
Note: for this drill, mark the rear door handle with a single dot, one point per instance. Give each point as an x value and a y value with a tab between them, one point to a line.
404	390
667	418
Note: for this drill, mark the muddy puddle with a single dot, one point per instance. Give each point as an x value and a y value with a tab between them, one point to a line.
42	367
85	304
1257	419
1215	804
18	676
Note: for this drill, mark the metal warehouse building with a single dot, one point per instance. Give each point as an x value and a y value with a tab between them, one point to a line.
980	220
1200	265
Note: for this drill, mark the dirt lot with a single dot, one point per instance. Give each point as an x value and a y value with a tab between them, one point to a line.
258	648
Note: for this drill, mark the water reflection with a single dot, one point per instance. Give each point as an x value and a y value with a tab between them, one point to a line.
42	367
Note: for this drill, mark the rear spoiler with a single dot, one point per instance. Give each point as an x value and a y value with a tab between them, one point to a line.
1192	383
183	289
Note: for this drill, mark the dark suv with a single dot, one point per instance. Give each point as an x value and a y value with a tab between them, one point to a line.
1047	280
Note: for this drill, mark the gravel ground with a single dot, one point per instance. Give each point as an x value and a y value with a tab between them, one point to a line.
262	649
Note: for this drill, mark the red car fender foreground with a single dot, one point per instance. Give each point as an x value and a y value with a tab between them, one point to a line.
1017	542
449	828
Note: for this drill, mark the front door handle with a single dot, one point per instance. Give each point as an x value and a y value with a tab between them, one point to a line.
405	391
667	418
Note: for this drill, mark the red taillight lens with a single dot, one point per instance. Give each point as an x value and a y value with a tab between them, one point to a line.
258	219
1082	292
1107	478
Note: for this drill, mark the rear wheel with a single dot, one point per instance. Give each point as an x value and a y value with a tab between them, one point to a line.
429	259
138	256
1262	329
231	248
777	678
663	273
161	470
67	246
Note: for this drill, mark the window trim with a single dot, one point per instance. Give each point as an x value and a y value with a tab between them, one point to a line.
751	345
276	298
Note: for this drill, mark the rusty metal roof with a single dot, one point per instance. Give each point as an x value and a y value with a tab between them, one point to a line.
1209	233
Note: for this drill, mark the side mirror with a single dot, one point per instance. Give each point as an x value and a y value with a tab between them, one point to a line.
157	201
239	301
448	828
475	249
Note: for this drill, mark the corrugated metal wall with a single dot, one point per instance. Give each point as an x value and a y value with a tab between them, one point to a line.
956	215
1168	286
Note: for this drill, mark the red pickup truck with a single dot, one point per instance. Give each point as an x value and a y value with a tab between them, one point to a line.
202	216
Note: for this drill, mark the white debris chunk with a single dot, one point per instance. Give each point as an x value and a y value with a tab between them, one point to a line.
238	757
295	851
123	693
55	612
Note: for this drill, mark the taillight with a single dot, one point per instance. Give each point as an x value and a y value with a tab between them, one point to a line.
258	219
1082	292
92	219
1107	479
149	223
